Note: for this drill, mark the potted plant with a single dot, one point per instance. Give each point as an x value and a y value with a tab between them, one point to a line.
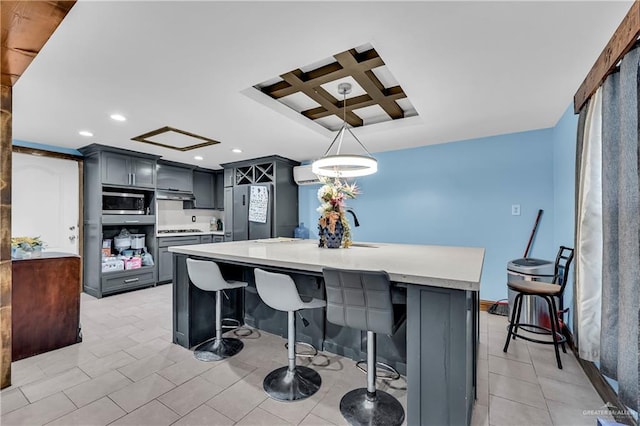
22	247
333	226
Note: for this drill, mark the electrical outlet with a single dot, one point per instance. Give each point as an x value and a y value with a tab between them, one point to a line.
193	218
515	209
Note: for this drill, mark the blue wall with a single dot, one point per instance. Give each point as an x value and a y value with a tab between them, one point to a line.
45	147
459	193
564	161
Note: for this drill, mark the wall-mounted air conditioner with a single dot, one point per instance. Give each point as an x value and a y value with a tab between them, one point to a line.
304	176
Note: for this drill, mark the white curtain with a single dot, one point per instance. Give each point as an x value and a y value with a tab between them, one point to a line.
588	292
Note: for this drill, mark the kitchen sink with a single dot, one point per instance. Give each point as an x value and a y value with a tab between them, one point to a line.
363	245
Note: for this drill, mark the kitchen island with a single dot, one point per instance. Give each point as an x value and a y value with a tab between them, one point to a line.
442	286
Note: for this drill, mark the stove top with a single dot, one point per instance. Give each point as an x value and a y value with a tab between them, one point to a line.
177	231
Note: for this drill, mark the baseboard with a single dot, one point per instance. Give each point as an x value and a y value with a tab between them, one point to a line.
613	404
486	304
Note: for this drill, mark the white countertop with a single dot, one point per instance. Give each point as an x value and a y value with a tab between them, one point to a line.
439	266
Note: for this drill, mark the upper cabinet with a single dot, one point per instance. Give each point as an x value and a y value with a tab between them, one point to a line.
203	189
124	170
208	190
175	178
120	167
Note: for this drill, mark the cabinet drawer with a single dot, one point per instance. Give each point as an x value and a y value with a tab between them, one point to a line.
206	239
218	238
178	241
112	282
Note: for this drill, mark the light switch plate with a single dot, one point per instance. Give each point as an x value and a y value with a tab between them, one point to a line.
515	209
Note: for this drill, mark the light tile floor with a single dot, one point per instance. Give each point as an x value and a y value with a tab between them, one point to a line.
127	372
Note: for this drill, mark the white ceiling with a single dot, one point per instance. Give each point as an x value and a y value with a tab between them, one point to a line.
470	69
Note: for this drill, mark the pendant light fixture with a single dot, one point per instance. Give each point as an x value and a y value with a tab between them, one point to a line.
344	165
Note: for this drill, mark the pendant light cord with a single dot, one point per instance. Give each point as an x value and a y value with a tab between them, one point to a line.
343	128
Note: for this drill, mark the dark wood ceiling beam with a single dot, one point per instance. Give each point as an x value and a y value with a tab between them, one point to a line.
622	40
322	97
369	82
314	78
26	27
358	102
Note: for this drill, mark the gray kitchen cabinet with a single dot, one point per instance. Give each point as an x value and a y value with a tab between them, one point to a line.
203	189
174	178
206	239
165	257
164	264
106	168
228	213
228	176
274	173
127	170
218	238
218	191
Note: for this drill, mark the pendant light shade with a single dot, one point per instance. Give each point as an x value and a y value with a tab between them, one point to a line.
344	165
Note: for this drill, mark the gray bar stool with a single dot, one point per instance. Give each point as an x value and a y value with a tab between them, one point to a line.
293	382
362	300
206	275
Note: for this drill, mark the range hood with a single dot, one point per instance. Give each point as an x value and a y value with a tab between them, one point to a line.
174	195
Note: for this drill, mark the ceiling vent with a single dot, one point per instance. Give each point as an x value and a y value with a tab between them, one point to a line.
172	138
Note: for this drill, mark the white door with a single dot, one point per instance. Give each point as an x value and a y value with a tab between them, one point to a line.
45	201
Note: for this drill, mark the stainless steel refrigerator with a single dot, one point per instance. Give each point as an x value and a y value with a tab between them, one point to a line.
262	209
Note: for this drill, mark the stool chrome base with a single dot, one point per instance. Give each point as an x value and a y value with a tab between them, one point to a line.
218	349
359	409
285	385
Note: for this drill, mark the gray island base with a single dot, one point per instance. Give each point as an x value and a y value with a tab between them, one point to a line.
437	349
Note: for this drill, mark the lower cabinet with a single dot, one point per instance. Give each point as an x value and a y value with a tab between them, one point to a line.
165	257
124	280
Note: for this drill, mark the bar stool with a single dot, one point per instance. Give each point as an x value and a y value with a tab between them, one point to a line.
549	292
206	275
293	382
362	300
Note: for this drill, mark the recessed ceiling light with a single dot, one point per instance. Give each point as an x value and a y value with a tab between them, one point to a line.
236	150
118	117
198	158
85	133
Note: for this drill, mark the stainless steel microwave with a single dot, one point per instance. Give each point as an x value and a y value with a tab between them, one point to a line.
122	203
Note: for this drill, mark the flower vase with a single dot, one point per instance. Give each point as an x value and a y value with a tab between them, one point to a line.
333	239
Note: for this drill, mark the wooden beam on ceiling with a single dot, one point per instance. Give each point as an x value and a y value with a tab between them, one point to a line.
357	102
26	26
321	96
369	82
623	39
334	71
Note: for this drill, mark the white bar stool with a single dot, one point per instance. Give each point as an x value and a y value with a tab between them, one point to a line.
206	275
293	382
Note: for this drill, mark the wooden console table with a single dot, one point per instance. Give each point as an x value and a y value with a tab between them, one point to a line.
45	302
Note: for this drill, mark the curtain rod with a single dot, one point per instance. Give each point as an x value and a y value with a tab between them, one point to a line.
622	40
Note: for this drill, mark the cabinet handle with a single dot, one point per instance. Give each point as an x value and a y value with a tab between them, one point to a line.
132	280
131	221
133	175
128	178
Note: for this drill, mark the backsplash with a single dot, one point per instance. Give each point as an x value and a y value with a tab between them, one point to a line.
170	214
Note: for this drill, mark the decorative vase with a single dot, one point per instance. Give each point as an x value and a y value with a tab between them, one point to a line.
333	239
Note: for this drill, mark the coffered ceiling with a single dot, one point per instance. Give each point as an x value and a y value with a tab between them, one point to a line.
466	69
